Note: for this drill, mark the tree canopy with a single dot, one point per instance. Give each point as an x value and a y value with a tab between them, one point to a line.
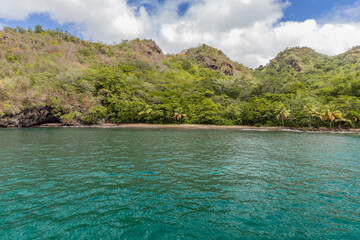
134	82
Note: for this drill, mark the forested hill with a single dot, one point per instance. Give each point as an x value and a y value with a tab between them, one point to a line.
52	76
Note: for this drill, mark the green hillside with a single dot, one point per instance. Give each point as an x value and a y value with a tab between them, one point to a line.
52	76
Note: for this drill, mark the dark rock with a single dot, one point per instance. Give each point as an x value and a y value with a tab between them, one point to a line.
146	46
29	117
227	69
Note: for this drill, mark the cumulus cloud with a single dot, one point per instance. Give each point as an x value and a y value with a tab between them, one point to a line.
248	31
326	38
251	32
242	29
343	14
107	20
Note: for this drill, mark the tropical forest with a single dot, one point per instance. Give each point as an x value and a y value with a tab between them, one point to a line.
53	76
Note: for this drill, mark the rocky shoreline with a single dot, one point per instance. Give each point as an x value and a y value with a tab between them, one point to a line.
29	118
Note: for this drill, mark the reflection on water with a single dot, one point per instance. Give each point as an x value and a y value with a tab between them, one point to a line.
178	184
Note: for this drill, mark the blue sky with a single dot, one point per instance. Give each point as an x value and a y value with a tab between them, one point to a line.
298	10
35	19
301	10
249	31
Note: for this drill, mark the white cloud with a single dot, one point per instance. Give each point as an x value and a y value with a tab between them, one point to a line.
248	31
107	20
343	14
328	38
2	26
240	28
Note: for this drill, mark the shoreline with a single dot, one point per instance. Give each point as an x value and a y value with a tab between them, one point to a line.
201	126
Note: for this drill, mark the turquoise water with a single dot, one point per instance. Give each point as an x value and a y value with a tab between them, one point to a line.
178	184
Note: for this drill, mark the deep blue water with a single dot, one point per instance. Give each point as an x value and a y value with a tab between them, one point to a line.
86	183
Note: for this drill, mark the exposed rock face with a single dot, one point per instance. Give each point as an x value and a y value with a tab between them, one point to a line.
297	58
29	117
227	69
214	59
146	50
211	58
215	64
146	46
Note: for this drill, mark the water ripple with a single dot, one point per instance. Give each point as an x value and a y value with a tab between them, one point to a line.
178	184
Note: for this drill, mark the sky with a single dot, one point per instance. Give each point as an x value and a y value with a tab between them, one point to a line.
249	31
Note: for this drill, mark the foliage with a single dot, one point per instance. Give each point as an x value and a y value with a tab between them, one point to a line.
134	82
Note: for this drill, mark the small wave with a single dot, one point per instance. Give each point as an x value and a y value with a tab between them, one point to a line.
292	130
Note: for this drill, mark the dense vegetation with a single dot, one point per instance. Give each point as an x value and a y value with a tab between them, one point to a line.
134	82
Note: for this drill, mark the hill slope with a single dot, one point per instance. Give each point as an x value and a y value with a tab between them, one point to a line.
298	59
214	59
51	76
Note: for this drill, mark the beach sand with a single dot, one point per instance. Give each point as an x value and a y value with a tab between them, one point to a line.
215	127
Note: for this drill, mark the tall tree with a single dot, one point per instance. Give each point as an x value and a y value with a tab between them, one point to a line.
282	112
311	111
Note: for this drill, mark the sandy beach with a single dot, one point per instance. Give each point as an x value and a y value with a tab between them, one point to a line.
215	127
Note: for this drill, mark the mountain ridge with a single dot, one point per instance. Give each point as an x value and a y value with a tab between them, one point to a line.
52	76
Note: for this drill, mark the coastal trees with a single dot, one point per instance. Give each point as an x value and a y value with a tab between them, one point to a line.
147	110
310	111
332	113
179	116
257	111
350	106
207	112
233	113
282	112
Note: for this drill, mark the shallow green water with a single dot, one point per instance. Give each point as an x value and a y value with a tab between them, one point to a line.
178	184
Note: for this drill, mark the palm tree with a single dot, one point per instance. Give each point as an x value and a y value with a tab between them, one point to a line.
147	110
354	116
355	121
282	112
179	115
311	111
343	120
332	113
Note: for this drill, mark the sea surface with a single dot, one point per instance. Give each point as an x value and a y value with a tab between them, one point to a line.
87	183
